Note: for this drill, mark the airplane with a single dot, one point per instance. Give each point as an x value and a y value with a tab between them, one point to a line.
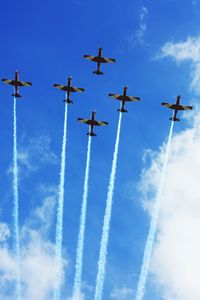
176	108
92	122
99	60
124	98
68	89
16	83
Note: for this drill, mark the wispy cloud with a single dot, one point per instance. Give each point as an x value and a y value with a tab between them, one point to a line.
188	50
4	232
34	153
37	258
122	293
139	35
175	264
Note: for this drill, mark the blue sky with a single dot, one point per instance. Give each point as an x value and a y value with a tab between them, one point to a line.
46	42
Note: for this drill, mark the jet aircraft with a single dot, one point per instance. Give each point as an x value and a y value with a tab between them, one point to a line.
124	98
16	83
68	89
176	107
99	60
92	122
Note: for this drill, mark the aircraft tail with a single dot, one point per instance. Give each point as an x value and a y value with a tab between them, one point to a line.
98	72
69	101
91	134
122	110
174	119
16	95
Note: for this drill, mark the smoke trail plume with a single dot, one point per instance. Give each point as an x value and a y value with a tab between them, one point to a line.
107	218
81	236
153	226
16	201
59	225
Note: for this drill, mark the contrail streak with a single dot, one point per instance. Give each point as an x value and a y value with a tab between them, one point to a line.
16	201
81	236
59	225
153	226
107	217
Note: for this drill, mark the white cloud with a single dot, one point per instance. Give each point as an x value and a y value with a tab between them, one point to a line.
122	293
33	154
139	35
188	50
36	152
78	296
175	264
4	232
37	259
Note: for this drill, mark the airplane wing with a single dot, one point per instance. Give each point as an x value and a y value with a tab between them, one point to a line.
100	123
90	57
180	107
95	123
18	83
85	121
115	96
169	105
75	89
99	59
107	60
60	87
186	107
24	83
132	98
126	98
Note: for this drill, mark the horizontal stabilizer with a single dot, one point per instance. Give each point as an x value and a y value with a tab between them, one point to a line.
16	95
91	134
122	110
68	101
98	72
174	119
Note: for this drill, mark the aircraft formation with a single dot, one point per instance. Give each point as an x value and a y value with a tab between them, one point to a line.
68	89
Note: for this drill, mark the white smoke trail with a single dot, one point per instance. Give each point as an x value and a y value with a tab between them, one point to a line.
16	201
59	225
107	217
153	226
81	236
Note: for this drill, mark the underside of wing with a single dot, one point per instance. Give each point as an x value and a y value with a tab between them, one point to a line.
185	107
8	81
107	60
75	89
132	98
169	105
85	121
115	96
23	83
100	123
90	57
60	87
16	83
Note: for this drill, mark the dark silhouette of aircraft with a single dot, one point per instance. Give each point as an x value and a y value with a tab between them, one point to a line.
124	98
16	83
92	122
176	107
68	89
99	60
